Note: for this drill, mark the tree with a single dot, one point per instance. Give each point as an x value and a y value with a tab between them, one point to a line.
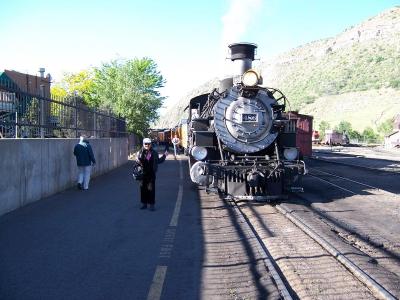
355	135
322	127
77	84
369	135
344	127
58	92
82	84
386	127
130	89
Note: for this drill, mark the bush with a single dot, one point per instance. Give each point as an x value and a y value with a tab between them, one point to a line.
369	135
394	83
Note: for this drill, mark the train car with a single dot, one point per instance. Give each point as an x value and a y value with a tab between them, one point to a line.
182	134
167	137
335	138
153	134
301	130
316	138
241	141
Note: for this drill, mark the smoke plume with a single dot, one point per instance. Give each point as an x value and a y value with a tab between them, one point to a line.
237	20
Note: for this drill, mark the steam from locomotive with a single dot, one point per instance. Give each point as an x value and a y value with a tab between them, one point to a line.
240	137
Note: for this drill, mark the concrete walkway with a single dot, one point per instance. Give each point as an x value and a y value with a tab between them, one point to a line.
98	244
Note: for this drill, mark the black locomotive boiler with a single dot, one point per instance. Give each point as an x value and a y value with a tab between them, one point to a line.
240	139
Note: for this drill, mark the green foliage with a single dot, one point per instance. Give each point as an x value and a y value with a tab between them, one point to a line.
369	135
361	67
322	127
386	127
354	135
58	92
80	84
395	83
344	127
130	89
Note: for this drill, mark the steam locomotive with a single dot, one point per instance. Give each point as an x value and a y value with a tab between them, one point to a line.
241	142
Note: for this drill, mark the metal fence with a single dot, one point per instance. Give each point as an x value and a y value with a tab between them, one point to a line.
26	115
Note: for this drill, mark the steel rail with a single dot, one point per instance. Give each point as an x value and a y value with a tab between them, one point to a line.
393	170
335	185
262	249
377	289
354	181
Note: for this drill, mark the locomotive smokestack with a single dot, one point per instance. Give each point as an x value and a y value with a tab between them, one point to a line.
242	54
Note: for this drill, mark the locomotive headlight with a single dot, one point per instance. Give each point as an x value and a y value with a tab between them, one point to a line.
250	78
199	153
290	153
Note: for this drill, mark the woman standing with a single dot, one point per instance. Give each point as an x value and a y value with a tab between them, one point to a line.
149	160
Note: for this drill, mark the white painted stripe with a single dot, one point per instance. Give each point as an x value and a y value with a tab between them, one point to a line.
157	284
335	185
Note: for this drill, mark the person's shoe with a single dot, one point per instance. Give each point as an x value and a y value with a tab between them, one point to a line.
144	206
152	208
79	186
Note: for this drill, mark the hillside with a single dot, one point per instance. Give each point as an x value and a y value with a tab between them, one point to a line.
354	76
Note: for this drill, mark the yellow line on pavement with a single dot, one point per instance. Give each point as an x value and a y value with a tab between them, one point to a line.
178	204
168	244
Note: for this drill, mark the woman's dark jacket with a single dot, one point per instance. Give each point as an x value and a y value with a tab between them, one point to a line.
84	154
153	162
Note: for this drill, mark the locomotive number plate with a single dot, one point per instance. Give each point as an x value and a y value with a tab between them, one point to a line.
249	118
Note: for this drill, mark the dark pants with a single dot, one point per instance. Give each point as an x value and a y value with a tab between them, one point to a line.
148	190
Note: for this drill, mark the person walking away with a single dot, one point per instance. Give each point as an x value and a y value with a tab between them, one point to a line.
175	142
84	160
149	159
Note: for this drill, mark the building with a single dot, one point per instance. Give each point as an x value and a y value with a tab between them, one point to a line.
393	140
25	83
22	96
396	123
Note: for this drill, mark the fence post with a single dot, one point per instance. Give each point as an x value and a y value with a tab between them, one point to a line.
16	124
42	114
94	124
76	114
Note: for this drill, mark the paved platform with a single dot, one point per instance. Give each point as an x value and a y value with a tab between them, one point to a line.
98	244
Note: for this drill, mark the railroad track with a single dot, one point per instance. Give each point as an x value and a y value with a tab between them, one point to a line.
393	169
315	173
377	289
280	281
300	242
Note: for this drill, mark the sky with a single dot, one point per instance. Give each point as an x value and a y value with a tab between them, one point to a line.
187	39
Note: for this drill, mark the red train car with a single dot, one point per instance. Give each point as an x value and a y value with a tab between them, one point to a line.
302	125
